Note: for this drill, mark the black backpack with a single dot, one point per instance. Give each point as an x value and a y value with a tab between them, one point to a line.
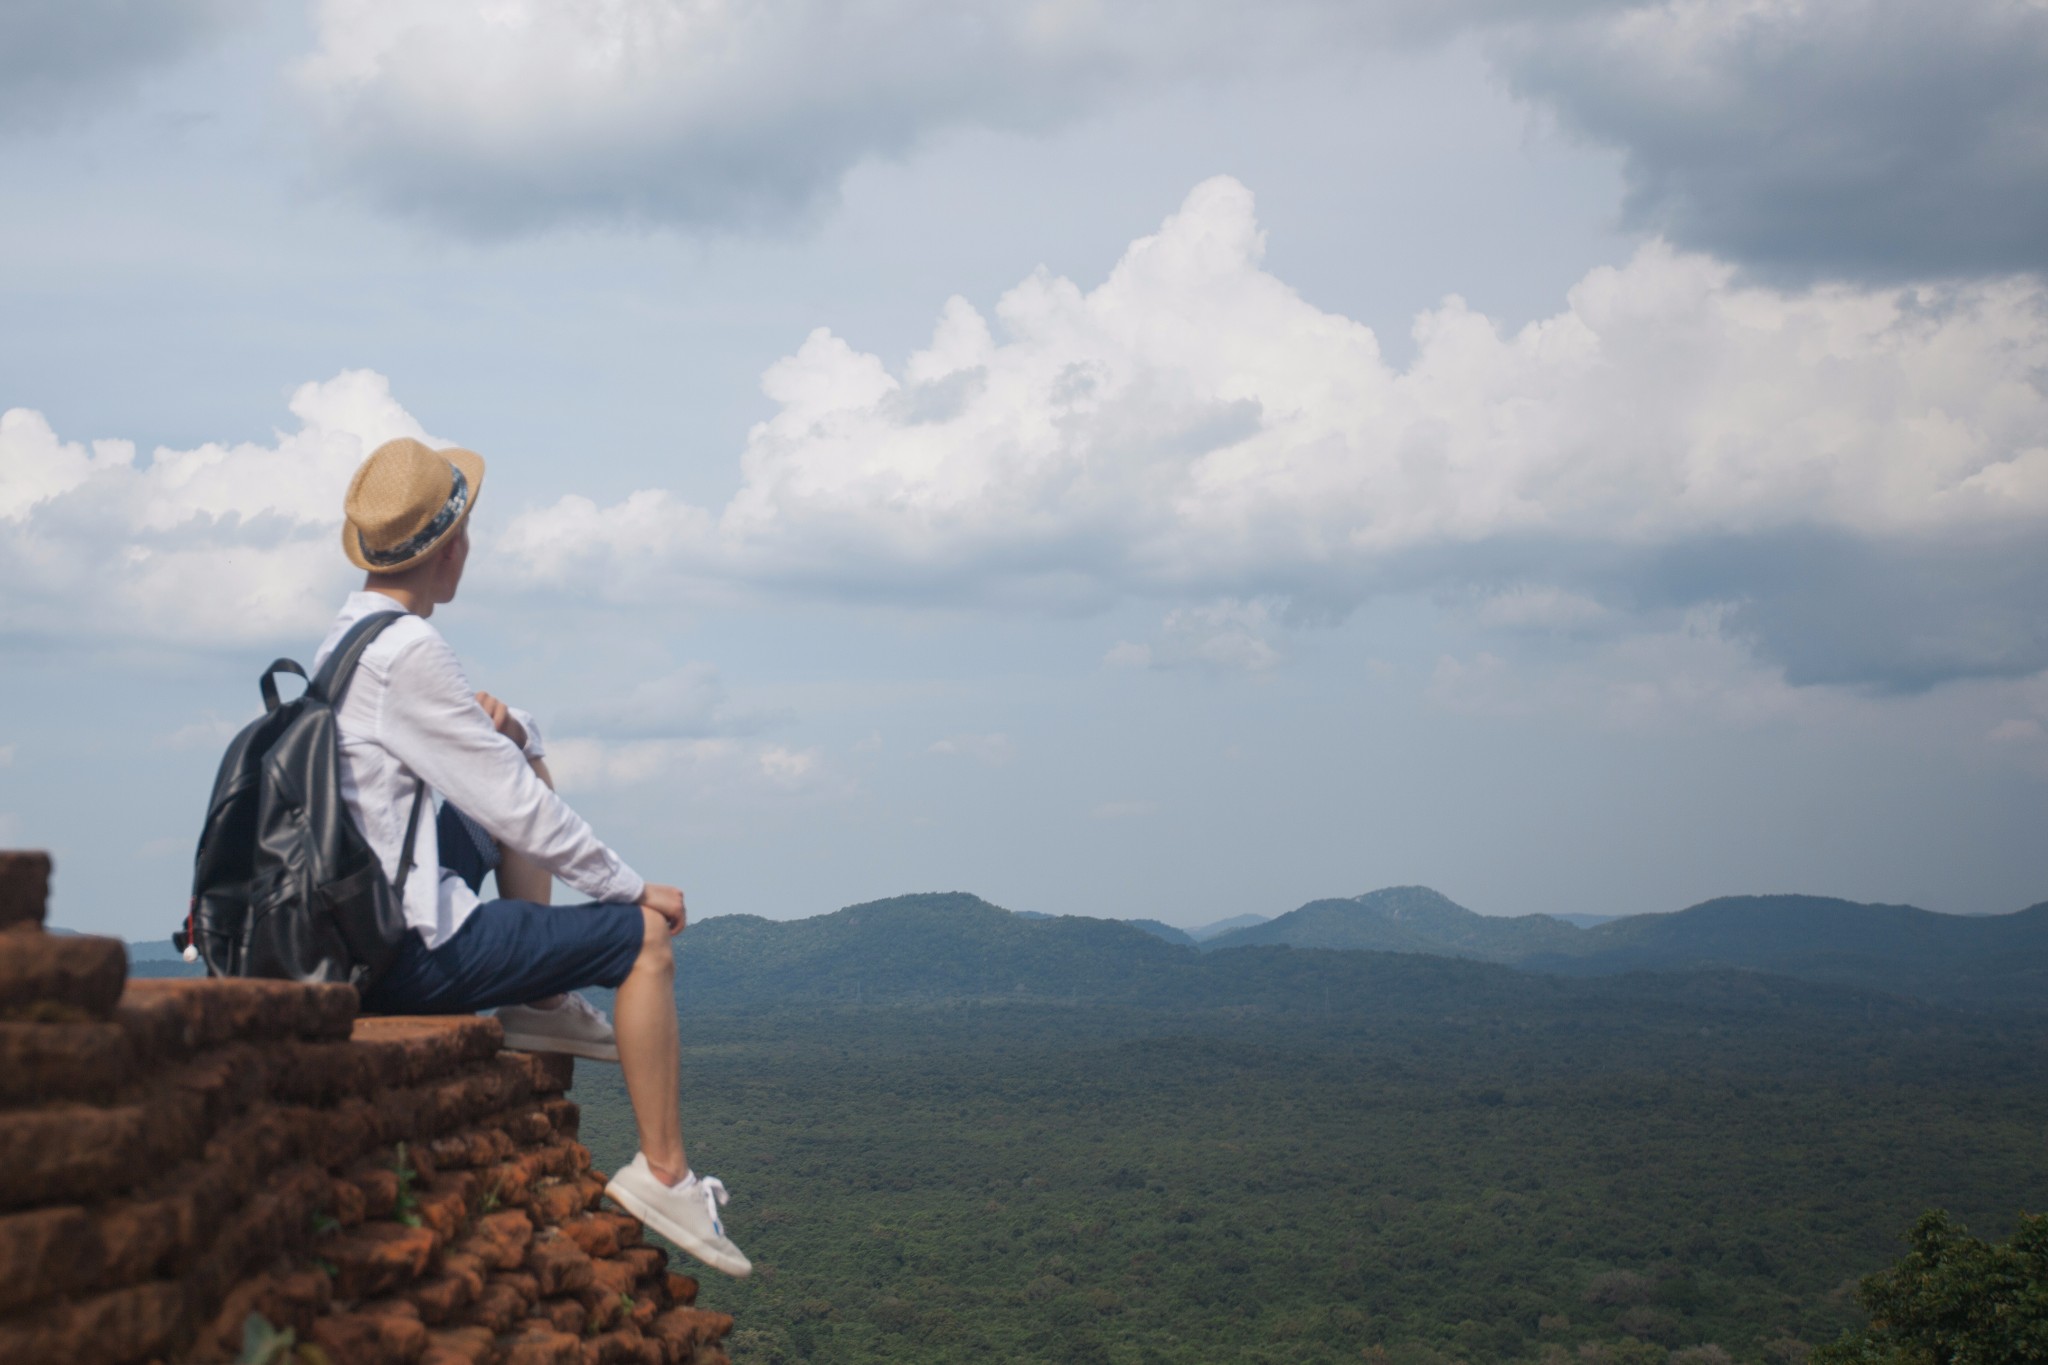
284	884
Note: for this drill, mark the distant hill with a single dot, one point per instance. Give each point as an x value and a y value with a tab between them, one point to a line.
1381	949
1406	919
1160	930
1973	961
1578	921
1224	926
954	949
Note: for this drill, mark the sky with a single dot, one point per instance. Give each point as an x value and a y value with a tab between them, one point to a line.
1120	459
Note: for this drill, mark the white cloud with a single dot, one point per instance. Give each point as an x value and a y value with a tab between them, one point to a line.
689	702
1864	138
501	115
1192	429
718	771
1226	636
220	544
992	749
59	57
1194	432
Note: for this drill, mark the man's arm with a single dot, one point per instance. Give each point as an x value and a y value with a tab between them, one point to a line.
434	725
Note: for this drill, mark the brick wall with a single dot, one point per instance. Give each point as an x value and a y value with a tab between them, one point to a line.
177	1155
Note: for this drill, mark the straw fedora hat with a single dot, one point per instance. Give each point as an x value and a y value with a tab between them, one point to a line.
406	500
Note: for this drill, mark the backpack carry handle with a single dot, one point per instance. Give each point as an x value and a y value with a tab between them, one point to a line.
269	681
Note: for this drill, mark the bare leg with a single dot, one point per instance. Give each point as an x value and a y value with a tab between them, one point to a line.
650	1051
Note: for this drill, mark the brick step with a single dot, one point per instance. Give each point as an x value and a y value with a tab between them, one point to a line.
43	1062
60	978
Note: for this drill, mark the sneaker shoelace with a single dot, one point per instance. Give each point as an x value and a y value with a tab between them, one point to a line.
576	1004
714	1194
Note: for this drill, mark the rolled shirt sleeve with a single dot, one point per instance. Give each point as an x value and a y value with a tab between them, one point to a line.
433	725
535	746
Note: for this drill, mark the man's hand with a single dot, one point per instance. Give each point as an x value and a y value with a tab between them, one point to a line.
502	719
666	901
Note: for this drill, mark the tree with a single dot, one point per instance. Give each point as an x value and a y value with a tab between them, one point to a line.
1954	1300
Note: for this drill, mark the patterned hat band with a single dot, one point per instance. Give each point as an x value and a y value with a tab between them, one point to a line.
451	511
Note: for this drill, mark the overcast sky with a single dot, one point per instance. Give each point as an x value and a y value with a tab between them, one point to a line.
1127	459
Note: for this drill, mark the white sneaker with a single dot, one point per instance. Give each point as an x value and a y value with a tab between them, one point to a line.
575	1026
686	1213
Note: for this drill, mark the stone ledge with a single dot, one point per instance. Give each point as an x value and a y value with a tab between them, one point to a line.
61	977
400	1190
24	888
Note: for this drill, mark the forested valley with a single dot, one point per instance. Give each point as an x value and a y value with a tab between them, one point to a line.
1283	1155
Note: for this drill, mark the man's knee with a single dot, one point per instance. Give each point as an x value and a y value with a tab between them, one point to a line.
655	949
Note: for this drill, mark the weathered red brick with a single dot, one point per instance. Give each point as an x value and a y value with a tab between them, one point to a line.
501	1304
555	1202
378	1257
500	1239
564	1315
546	1073
648	1263
371	1337
625	1347
291	1300
77	1061
559	1265
460	1346
684	1329
81	971
123	1325
680	1289
429	1046
192	1013
597	1233
563	1116
24	887
63	1152
541	1344
45	1253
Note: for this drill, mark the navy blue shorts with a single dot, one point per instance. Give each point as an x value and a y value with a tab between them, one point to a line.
507	952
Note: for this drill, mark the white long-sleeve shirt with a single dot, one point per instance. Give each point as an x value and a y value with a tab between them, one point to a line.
410	715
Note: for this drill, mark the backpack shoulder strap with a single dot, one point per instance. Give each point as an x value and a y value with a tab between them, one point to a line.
340	669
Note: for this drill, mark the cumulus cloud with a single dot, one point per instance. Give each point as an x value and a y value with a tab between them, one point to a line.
690	702
60	57
217	545
498	116
1227	636
719	772
1857	475
992	749
1886	139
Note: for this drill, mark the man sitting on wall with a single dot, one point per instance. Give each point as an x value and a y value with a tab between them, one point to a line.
410	716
